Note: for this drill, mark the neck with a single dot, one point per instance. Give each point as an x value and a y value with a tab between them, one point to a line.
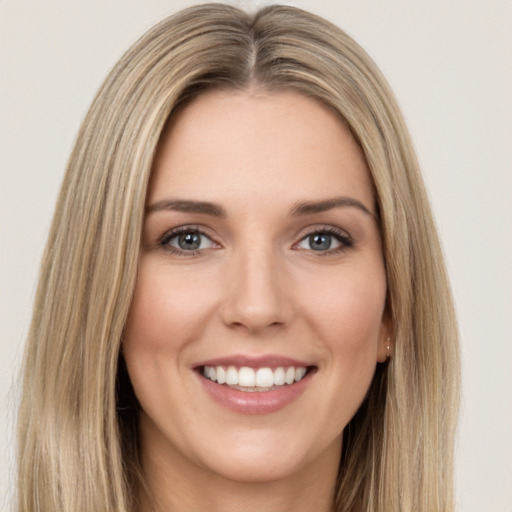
281	496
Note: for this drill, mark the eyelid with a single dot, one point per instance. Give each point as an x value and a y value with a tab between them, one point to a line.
342	236
323	228
163	241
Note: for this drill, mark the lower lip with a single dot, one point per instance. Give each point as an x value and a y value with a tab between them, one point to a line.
255	402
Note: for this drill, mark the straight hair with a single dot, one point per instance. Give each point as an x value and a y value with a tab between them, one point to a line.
77	432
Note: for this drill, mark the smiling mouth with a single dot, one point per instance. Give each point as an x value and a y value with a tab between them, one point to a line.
250	379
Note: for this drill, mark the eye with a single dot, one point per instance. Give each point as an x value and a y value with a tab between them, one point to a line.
326	240
186	240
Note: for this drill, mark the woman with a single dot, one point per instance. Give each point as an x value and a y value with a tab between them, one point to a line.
242	300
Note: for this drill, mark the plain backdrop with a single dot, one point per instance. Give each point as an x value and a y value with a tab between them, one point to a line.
450	65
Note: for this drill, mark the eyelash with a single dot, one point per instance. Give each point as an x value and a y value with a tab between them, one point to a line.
173	233
346	242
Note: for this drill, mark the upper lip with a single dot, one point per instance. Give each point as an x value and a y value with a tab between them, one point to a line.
266	361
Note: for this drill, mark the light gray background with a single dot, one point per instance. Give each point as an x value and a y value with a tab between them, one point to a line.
450	64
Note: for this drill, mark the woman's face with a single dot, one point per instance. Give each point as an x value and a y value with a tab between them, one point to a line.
261	264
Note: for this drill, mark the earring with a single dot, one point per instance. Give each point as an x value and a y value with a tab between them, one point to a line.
388	348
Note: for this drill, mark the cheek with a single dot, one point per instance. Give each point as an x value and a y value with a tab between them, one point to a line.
167	315
345	315
164	307
349	312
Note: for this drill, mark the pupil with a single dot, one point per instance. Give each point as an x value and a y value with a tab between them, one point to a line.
189	241
320	241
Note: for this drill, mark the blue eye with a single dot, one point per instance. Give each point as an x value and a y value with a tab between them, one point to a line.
325	240
320	241
186	240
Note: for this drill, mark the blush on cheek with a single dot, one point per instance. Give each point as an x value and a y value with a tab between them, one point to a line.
164	307
355	312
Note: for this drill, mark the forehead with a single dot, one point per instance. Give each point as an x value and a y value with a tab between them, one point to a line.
230	143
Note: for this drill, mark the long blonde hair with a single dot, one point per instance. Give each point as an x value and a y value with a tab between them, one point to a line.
78	415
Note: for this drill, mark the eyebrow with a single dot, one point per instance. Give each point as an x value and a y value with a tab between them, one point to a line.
188	206
300	209
312	207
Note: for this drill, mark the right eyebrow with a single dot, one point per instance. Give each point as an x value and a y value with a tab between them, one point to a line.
182	205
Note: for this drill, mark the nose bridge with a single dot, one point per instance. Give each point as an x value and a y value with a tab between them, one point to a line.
257	297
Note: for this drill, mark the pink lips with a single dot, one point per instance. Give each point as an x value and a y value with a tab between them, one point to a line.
257	402
270	361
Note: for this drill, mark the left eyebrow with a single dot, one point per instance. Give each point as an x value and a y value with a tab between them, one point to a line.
312	207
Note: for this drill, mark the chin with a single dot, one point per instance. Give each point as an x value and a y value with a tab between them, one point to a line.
260	469
267	458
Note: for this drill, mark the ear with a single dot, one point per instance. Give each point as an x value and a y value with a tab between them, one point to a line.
386	338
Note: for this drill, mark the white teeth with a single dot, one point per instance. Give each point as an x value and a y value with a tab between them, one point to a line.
289	377
232	376
279	376
246	377
299	373
249	377
221	375
264	378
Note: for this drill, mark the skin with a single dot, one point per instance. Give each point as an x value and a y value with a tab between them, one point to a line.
255	287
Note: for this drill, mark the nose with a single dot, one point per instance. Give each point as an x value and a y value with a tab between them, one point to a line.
258	296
